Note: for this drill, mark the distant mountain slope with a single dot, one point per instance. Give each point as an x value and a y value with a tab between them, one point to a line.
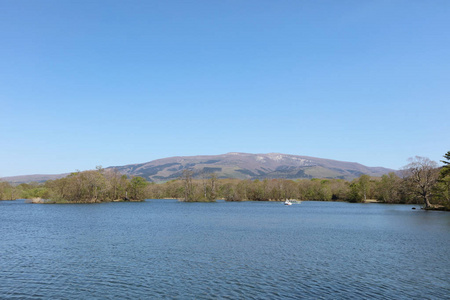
250	166
32	178
235	165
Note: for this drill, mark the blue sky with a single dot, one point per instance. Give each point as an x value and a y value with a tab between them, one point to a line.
87	83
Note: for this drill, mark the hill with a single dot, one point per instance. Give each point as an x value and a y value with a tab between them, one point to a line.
39	178
235	165
250	166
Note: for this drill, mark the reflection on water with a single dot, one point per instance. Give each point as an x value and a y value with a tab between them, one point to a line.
251	250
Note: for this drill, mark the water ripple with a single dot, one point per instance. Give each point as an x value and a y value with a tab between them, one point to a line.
164	249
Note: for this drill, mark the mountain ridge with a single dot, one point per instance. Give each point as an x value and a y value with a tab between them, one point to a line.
234	165
250	166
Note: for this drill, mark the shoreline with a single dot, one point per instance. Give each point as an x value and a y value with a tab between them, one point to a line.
369	201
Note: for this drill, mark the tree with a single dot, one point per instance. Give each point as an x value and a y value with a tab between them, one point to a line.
113	179
421	176
354	194
95	183
445	171
137	188
228	190
7	191
339	189
211	191
447	157
389	188
289	189
364	184
276	189
443	187
188	185
242	189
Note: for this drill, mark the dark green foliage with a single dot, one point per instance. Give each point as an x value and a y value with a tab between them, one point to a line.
211	170
137	188
212	161
302	174
354	194
447	157
445	171
442	189
154	170
246	172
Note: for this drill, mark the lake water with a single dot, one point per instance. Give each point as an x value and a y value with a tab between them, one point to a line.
223	250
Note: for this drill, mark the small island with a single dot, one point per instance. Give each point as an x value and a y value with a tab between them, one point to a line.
93	186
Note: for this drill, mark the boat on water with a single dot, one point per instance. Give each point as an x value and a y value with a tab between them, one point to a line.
290	202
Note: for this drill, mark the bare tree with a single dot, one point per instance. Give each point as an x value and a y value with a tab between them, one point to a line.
204	176
188	185
113	178
212	187
421	175
364	184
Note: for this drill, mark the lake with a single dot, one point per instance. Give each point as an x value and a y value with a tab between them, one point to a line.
224	250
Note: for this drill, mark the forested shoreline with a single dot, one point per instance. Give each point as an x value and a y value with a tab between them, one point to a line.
421	182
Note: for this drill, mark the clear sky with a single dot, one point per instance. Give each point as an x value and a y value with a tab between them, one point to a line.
87	83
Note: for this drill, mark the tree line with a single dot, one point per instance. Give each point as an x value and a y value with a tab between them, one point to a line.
91	186
421	181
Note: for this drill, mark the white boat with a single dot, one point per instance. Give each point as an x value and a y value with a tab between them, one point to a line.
290	202
287	202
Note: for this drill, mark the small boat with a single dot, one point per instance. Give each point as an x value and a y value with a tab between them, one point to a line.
292	201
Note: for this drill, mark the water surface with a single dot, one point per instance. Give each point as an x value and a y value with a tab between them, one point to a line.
225	250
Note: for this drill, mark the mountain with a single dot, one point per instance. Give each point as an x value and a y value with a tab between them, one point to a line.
235	165
250	166
40	178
